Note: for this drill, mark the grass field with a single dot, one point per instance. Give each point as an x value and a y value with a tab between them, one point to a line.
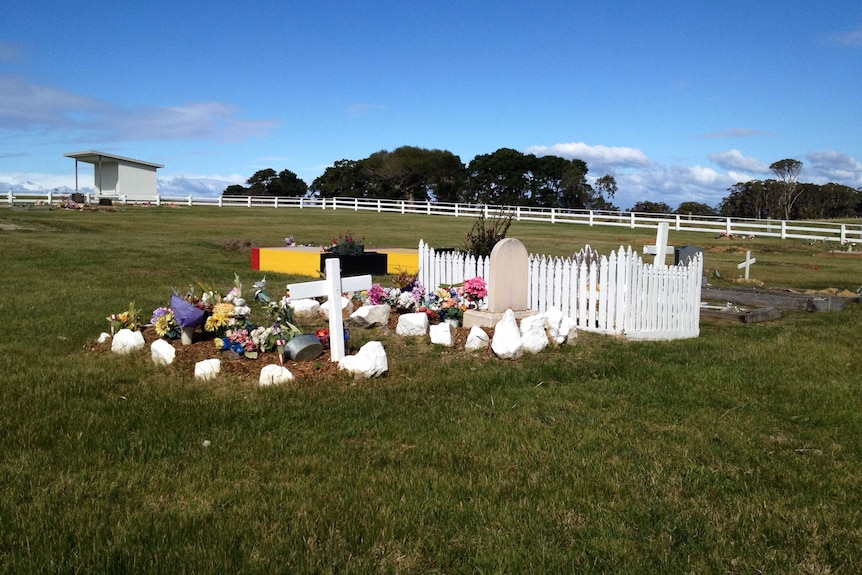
736	452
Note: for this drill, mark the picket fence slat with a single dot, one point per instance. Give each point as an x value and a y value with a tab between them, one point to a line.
618	294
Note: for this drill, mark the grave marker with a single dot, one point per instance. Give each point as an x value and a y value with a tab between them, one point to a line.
508	276
660	249
332	287
747	263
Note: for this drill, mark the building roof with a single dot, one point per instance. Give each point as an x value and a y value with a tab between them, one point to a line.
94	157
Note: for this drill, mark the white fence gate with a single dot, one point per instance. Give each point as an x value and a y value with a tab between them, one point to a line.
618	294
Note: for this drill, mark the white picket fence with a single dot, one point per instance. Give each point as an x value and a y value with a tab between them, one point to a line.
618	294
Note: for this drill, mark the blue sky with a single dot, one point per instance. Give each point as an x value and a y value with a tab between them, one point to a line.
677	100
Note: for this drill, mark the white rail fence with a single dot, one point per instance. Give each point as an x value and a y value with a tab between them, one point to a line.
618	294
801	229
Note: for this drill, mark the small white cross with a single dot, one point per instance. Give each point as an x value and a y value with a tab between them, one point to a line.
332	287
660	249
747	263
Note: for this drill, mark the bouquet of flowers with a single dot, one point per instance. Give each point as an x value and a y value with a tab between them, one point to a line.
165	323
129	319
346	245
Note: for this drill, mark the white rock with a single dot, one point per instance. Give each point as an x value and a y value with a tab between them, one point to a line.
162	352
410	324
369	361
274	374
571	329
304	308
371	316
441	334
346	308
561	328
207	369
103	337
126	341
506	343
534	338
477	339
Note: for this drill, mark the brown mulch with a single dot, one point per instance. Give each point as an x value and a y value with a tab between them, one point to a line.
317	370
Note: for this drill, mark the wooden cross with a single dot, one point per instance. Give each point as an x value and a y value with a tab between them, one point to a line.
747	263
660	249
332	287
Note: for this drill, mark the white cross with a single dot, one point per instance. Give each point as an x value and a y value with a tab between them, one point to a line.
660	248
747	263
332	287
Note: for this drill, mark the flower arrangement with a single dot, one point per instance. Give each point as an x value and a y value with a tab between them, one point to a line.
129	319
450	302
165	323
406	293
289	241
346	245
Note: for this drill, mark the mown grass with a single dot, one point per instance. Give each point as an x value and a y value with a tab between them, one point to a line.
736	452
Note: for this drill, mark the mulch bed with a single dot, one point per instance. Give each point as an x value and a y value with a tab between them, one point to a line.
317	370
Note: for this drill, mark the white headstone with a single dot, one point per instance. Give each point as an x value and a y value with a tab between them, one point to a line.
747	263
369	361
126	341
332	287
207	369
660	249
508	276
371	316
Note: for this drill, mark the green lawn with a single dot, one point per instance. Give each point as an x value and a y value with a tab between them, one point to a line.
736	452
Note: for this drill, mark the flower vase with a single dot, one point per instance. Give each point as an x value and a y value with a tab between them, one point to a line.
187	335
453	322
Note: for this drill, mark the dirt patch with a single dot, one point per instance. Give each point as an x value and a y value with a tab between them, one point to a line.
318	370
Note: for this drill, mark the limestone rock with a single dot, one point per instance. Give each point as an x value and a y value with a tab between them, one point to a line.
561	328
441	334
533	336
105	336
507	337
126	341
370	316
162	352
370	361
207	369
274	374
410	324
346	308
477	339
305	308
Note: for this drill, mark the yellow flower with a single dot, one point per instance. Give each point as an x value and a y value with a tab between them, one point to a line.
216	321
162	325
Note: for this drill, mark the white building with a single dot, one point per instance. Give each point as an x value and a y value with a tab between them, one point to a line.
117	177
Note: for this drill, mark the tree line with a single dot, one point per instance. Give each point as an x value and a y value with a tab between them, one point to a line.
510	177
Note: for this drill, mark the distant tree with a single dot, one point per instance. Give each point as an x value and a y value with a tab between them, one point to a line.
652	208
787	171
345	178
696	209
752	199
501	178
235	190
286	184
260	181
413	174
605	186
826	202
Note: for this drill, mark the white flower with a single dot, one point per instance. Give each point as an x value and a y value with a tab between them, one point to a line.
405	300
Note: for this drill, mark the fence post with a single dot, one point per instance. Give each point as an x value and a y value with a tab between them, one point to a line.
402	207
10	198
50	198
783	229
355	204
591	218
158	200
379	209
633	220
843	233
275	203
220	202
727	227
677	222
553	216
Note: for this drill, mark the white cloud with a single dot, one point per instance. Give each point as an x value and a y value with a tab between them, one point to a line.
25	106
852	38
833	166
734	160
602	156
